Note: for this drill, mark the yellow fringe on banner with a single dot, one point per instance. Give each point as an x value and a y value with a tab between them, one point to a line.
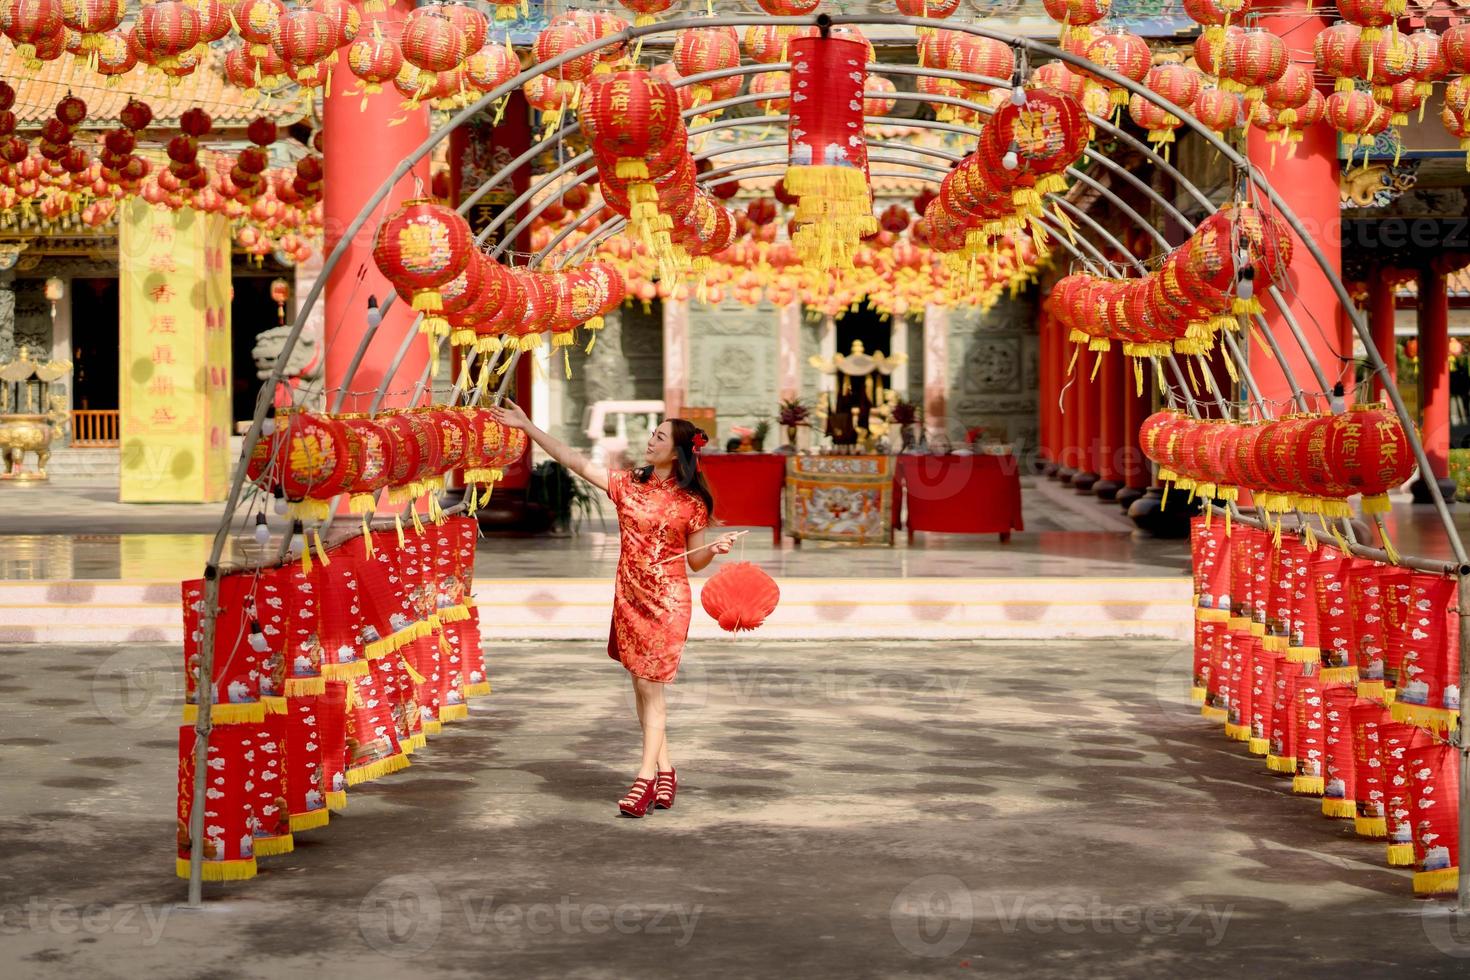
1400	855
477	690
1281	763
336	800
1237	733
1339	675
1197	695
1239	624
431	727
1212	713
1339	809
374	770
275	704
1376	827
218	870
454	614
309	820
454	712
345	672
1303	655
398	526
1423	716
1307	785
298	687
1442	881
274	846
1258	746
1372	690
250	713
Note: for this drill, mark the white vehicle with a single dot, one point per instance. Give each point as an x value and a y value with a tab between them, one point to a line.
612	427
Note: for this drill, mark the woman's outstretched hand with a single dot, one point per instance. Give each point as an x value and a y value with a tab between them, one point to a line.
509	413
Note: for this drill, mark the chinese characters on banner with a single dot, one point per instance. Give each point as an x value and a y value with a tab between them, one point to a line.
175	355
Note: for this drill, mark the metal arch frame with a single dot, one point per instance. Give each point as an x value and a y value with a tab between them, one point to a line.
1022	44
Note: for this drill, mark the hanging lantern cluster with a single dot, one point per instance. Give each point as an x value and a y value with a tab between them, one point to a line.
1199	289
632	121
324	678
1310	463
995	194
419	248
1341	672
62	182
311	458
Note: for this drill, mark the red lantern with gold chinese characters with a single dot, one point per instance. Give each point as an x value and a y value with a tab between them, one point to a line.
419	248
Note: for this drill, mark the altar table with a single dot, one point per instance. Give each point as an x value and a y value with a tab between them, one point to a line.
950	494
746	488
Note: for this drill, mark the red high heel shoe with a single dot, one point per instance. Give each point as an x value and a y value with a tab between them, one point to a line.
666	785
636	803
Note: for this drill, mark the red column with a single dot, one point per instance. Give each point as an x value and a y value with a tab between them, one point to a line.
1434	371
360	150
1046	398
1380	325
1087	430
1108	459
1071	408
1137	403
1307	182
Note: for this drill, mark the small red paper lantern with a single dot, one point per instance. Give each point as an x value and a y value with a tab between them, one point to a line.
739	596
1370	15
706	49
1216	109
419	248
304	38
1122	52
1251	60
645	9
431	42
1335	49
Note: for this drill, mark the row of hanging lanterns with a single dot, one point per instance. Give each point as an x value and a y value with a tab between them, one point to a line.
1343	673
1200	288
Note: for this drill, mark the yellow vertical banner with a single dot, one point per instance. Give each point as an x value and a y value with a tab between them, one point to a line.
175	407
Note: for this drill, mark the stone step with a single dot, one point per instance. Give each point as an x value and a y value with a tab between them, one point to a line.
109	612
77	465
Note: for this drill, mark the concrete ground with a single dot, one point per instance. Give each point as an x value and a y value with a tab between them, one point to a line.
864	811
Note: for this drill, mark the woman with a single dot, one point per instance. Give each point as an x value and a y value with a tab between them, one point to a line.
663	510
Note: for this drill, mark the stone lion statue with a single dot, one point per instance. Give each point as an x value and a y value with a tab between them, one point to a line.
303	371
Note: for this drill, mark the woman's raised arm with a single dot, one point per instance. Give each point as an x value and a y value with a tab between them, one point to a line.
511	414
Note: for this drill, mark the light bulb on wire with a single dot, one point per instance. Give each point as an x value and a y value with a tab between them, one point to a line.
262	529
374	314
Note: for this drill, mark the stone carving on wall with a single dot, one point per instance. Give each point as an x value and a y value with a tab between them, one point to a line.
992	364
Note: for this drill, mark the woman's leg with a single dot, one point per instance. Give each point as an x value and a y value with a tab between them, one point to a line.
651	715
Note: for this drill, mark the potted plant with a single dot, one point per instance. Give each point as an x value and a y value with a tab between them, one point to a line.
905	415
759	433
792	415
567	498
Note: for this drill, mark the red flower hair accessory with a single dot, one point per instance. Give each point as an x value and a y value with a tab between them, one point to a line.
699	439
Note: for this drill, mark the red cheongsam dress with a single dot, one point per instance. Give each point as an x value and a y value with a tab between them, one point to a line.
651	600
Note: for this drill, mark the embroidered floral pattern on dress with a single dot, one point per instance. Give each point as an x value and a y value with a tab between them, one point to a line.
651	600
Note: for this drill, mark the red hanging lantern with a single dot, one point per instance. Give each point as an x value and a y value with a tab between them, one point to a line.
258	21
375	60
875	98
1385	62
558	39
431	42
419	248
739	596
1216	109
1370	15
1124	53
629	116
1350	112
1075	16
1335	49
766	43
706	49
305	38
31	24
645	9
766	85
167	30
1428	64
491	67
1251	60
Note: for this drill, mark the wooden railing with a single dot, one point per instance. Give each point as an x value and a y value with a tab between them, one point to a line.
91	428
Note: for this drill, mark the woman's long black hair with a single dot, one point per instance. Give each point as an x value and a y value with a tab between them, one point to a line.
686	463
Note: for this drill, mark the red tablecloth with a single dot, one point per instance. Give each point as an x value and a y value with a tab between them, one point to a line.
746	488
962	494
